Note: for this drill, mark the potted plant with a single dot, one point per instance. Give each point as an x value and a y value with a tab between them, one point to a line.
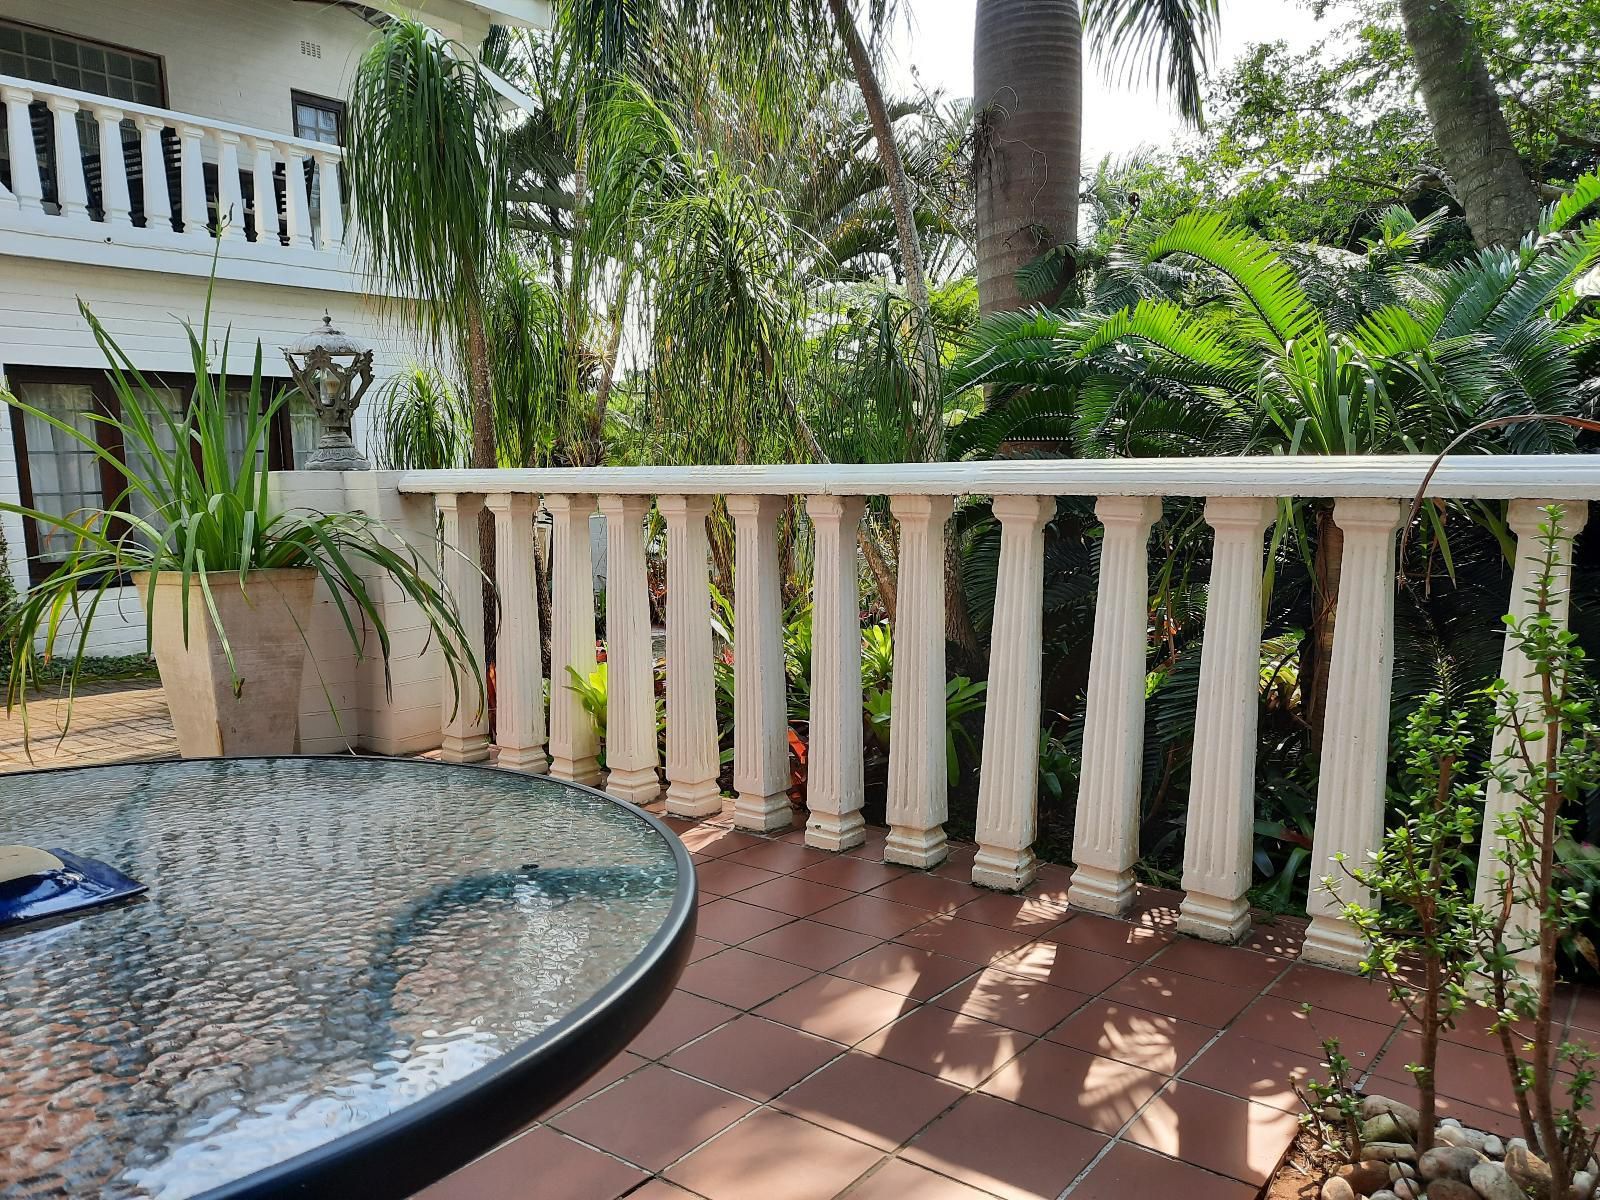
226	582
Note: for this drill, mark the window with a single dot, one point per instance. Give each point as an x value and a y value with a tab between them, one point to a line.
60	476
318	119
42	56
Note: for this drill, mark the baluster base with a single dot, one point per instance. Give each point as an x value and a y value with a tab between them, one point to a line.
763	814
700	799
835	832
1098	890
524	758
1004	869
911	847
584	771
1334	942
638	786
1214	918
470	749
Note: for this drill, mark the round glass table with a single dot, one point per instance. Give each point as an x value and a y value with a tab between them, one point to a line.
349	976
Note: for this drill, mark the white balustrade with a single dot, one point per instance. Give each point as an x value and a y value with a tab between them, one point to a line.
692	757
26	184
230	195
72	197
297	205
1242	498
266	193
519	682
114	202
465	736
153	175
331	203
632	757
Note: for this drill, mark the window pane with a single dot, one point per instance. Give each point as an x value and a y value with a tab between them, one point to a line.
68	62
140	460
304	431
65	475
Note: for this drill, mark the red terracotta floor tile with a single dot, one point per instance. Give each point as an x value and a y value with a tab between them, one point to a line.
653	1117
733	922
565	1169
1302	1028
714	841
872	848
1220	1133
1033	915
705	948
852	874
1005	1149
900	1180
783	857
1128	1172
1105	935
980	944
839	1009
1280	937
607	1075
958	865
753	1057
1065	966
1132	1035
774	1156
870	1099
1220	964
797	897
868	914
920	974
1073	1085
720	877
1463	1073
1503	1123
659	1189
1015	1001
1337	992
737	977
811	944
1156	907
927	892
1253	1070
682	1018
1177	995
950	1045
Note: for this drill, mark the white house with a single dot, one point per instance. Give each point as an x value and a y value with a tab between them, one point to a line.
142	140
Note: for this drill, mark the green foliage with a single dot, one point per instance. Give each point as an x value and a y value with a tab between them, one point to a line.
421	422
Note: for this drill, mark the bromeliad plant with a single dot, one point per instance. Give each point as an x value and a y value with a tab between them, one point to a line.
191	503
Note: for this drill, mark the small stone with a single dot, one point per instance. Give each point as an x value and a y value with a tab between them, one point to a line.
1451	1122
1448	1162
1494	1147
1367	1177
1489	1180
1405	1116
1455	1135
1335	1188
1385	1194
1406	1189
1390	1152
1583	1181
1405	1169
1451	1189
1529	1172
1515	1142
1385	1127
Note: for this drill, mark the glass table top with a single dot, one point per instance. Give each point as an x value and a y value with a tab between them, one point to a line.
327	945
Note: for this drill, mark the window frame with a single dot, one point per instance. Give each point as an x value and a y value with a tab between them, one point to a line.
115	47
325	103
280	436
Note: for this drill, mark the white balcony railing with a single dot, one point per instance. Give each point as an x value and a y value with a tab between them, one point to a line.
1371	497
127	174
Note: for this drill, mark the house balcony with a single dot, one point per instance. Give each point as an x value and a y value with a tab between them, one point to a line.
90	180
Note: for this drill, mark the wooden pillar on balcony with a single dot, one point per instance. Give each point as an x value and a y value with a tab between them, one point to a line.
71	194
573	744
1222	801
26	185
631	754
192	180
153	174
465	734
693	761
519	679
230	195
834	785
1008	786
918	780
296	205
1105	842
1526	518
760	700
330	201
1355	737
114	201
266	192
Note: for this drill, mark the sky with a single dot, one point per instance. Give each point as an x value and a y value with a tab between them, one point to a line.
937	40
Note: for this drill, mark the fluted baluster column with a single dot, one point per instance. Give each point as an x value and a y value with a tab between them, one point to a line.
230	196
834	785
519	681
266	192
574	745
329	201
1355	737
466	715
1526	517
693	760
760	702
71	194
26	185
153	174
1105	842
631	753
296	205
1222	799
192	180
1008	786
114	202
918	781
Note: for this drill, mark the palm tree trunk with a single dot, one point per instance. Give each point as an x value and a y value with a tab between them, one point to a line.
1327	564
1501	202
1027	68
480	395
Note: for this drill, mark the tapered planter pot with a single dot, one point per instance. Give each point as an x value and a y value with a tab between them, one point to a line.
264	623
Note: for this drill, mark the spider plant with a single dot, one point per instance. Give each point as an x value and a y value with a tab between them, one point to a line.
186	506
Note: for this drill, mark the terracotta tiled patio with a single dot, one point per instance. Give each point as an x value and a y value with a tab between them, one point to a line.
850	1028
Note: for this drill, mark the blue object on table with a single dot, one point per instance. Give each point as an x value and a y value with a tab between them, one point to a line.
77	883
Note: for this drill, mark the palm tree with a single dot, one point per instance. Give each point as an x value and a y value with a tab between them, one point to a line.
1027	68
427	191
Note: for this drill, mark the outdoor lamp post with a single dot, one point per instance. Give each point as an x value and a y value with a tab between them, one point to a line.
333	371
